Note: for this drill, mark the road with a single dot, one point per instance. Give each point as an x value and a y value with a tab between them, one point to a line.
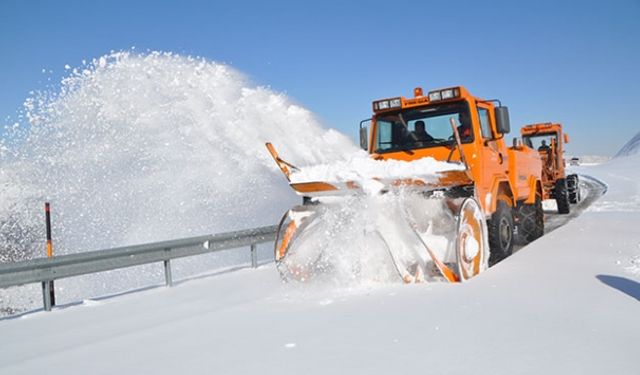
590	188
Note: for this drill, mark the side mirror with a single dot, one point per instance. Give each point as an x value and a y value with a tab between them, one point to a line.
566	138
502	120
364	138
364	135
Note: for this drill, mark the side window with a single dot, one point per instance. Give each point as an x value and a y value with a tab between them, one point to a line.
485	126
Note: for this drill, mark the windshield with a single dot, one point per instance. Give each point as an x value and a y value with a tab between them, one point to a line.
540	142
422	127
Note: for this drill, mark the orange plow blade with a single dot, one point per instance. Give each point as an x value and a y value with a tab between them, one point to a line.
409	229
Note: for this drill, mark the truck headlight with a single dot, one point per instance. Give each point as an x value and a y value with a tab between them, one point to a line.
383	104
447	94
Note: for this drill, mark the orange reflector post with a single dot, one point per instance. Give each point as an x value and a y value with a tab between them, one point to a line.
47	212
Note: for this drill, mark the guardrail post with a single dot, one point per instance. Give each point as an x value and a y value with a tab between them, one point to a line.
46	295
254	256
168	280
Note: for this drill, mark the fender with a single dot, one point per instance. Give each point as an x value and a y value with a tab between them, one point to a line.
535	189
501	190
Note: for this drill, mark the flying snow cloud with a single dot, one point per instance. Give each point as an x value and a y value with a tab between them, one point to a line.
145	147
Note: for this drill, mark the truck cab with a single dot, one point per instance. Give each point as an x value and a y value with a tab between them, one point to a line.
550	140
422	126
452	125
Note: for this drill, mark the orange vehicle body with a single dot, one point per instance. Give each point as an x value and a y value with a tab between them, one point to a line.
553	163
493	197
496	172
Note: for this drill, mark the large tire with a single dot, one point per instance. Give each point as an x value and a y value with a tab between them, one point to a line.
562	196
500	233
573	187
530	221
472	245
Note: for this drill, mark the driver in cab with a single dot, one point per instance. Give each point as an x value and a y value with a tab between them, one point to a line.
420	135
464	129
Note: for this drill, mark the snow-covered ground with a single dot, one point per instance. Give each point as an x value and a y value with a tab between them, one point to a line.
566	304
589	159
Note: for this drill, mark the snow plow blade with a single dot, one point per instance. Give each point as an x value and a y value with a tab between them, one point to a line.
423	239
424	232
443	180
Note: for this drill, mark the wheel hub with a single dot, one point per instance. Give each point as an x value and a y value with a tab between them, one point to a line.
505	232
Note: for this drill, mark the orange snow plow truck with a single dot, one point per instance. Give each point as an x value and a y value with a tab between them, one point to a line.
493	195
549	139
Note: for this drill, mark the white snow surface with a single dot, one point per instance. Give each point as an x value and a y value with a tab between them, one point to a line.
566	304
361	167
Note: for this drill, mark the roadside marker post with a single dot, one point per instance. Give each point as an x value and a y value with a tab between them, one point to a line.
48	290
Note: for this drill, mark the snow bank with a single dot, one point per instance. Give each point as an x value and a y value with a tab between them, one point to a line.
621	203
621	174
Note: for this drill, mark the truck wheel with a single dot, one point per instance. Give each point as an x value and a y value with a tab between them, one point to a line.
562	196
530	222
500	233
573	186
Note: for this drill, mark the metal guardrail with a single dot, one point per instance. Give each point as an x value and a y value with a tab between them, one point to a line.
48	269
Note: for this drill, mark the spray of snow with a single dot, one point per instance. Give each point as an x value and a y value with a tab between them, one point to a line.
358	241
140	148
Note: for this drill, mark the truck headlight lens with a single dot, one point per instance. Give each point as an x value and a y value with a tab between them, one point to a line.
383	104
447	94
393	103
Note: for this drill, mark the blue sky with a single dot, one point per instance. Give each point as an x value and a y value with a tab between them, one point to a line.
570	62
